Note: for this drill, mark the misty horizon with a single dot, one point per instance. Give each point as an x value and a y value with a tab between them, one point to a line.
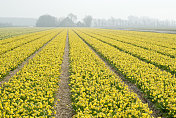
93	17
102	9
104	13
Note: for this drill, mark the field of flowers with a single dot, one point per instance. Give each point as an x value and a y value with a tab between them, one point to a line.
162	61
11	57
10	32
157	84
31	91
96	91
144	59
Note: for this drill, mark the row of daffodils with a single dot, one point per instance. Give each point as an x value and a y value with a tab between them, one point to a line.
160	39
11	59
21	40
160	60
31	92
141	41
158	85
96	90
8	33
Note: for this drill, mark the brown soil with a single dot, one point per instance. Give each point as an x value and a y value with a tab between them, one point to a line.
64	107
132	87
14	72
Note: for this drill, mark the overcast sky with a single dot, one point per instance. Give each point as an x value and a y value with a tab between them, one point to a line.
162	9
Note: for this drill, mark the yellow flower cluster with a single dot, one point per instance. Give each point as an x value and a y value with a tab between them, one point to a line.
31	92
13	58
158	85
160	39
9	32
97	91
17	42
162	61
141	40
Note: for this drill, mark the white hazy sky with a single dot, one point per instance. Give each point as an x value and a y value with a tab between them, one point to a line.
162	9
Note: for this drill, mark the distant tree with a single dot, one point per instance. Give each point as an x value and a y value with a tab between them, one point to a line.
72	17
6	25
67	22
88	21
79	24
46	21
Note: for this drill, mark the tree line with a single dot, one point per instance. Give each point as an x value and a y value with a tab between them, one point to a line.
87	21
69	21
133	22
6	25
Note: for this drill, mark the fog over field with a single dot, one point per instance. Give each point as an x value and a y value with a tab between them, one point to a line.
103	10
162	9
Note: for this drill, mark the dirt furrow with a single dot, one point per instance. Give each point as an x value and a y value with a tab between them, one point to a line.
14	72
132	87
64	107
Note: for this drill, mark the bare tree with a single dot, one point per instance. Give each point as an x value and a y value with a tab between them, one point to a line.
88	21
72	17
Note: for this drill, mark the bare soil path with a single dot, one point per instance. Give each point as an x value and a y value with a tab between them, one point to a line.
64	107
